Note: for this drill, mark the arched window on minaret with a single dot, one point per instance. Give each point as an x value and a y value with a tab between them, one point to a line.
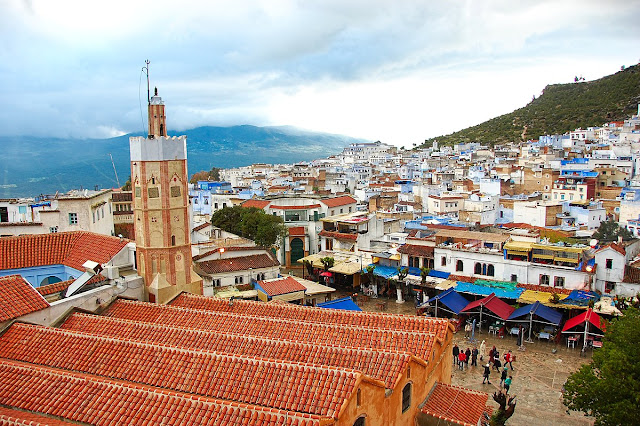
173	240
162	130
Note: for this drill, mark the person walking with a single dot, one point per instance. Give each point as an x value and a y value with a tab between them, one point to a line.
483	350
467	330
467	357
456	352
474	357
485	375
492	351
507	385
503	376
461	360
508	359
497	364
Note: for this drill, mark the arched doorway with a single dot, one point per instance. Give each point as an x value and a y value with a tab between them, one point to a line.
52	279
297	250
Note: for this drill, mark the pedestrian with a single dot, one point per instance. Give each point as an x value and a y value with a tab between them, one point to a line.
492	351
497	364
467	330
496	354
461	360
485	375
508	359
474	357
467	357
483	350
456	352
507	384
503	376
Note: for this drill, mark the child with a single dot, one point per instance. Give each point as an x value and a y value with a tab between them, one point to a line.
503	377
507	384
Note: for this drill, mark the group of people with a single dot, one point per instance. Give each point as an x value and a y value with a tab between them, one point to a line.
461	359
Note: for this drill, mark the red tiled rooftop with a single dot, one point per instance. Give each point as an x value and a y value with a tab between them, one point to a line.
72	249
89	399
18	297
309	206
290	311
416	250
339	235
620	249
48	289
255	261
418	343
339	201
456	405
297	231
259	204
280	286
282	385
383	365
11	417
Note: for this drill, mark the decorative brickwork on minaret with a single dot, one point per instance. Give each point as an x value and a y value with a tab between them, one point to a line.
161	209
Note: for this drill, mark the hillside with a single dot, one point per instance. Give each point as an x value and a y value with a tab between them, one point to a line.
30	166
560	108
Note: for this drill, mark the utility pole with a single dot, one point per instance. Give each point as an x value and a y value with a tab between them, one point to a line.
145	69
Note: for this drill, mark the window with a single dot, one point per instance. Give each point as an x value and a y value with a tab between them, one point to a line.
93	213
359	422
215	206
609	287
406	397
609	264
443	261
173	240
195	201
544	279
558	282
349	209
359	397
477	269
153	192
73	218
239	280
175	191
53	229
341	211
514	278
459	266
491	270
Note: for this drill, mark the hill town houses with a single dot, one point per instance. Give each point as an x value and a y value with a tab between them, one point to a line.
93	268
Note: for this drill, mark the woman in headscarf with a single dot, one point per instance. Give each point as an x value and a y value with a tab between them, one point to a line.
483	350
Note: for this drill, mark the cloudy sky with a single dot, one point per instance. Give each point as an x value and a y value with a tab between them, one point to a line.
396	71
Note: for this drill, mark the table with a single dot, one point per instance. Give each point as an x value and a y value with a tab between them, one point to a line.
544	335
515	331
571	340
596	344
548	328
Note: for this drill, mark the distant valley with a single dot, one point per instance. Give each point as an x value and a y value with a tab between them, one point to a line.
31	166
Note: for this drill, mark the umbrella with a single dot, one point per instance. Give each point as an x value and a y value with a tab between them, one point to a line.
326	274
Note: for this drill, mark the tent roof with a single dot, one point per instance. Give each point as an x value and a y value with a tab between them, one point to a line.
540	310
345	304
452	299
493	304
483	290
587	315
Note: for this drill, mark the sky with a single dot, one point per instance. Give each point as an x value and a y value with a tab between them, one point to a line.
395	71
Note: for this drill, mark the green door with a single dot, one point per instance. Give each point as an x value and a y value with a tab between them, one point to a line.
297	250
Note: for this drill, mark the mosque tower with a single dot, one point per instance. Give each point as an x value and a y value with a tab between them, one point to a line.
161	209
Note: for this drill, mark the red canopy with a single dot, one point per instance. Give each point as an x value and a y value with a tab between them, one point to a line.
493	304
589	316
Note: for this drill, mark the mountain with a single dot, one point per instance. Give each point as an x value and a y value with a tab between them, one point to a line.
31	166
560	108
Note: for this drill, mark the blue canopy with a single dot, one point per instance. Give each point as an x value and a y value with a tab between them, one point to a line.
344	304
385	271
545	312
462	287
439	274
580	298
451	299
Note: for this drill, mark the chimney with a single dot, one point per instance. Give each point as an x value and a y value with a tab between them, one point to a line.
620	239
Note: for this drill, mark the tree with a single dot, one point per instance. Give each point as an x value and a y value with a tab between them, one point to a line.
608	387
252	223
610	231
327	262
424	272
127	185
507	407
211	175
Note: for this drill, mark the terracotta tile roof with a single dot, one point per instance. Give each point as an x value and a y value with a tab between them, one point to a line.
18	297
339	201
339	235
202	226
548	289
383	365
631	274
416	250
259	204
64	248
309	206
89	399
233	264
12	417
48	289
289	311
282	385
620	249
297	231
456	405
280	286
416	343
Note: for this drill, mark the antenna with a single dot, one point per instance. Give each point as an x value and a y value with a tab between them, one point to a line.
114	170
145	69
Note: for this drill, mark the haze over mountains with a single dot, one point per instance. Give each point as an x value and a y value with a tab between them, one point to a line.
31	166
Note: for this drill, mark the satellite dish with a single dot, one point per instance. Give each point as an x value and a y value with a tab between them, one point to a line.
593	242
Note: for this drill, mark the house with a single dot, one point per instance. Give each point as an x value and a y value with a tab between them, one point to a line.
77	210
285	289
612	260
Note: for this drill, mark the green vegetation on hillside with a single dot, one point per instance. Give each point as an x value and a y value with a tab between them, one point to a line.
560	108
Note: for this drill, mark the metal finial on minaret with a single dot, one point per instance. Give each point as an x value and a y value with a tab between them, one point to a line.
145	69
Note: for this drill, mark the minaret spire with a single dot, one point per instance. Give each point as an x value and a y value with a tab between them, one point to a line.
146	71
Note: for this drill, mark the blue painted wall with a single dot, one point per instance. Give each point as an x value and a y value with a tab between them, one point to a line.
35	275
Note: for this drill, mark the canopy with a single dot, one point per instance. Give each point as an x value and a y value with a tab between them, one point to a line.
344	304
585	318
538	309
491	303
386	272
326	274
451	299
438	274
580	298
482	290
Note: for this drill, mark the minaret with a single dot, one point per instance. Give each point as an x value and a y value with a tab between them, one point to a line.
161	209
